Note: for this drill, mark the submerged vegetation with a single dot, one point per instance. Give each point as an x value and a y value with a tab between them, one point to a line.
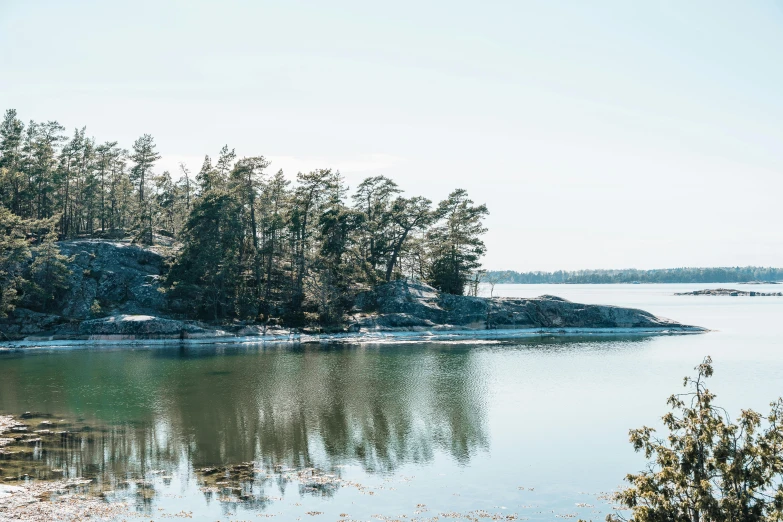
249	244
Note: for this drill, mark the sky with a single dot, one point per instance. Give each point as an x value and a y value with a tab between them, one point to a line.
600	134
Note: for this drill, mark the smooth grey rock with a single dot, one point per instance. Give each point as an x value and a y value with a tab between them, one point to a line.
121	277
421	301
142	327
24	322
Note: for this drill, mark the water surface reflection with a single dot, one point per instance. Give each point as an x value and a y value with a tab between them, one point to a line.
126	412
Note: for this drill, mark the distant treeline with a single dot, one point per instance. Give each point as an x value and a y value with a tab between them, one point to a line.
735	274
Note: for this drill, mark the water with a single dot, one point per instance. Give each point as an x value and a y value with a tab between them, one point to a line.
536	427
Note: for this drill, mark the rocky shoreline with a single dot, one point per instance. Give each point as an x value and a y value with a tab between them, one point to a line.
115	295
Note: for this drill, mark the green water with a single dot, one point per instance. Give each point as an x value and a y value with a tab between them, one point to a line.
536	428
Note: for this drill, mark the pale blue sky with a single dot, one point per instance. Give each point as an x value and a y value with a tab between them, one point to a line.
601	134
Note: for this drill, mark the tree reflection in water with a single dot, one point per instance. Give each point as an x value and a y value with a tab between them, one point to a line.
131	413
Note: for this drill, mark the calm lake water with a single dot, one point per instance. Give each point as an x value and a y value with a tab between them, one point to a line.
537	427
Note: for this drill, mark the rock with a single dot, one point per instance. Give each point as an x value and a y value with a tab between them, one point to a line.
390	320
731	292
404	304
143	327
122	278
23	322
114	293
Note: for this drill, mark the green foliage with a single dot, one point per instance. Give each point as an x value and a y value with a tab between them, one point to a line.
247	244
144	156
14	254
208	271
708	468
48	274
456	240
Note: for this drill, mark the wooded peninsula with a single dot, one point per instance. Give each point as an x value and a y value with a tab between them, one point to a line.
240	242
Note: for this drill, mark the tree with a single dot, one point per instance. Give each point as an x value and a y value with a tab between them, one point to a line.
120	191
247	179
48	274
186	188
407	215
456	242
708	469
11	186
14	254
313	192
207	272
165	201
105	154
144	156
373	198
332	277
275	207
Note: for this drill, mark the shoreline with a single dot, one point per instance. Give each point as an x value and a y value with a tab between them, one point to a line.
370	337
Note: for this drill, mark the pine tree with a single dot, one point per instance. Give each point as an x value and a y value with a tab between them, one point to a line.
206	274
274	214
48	274
14	255
456	242
144	157
408	215
247	180
11	184
373	198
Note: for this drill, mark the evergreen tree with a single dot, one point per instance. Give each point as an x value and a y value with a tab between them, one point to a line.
313	191
185	190
144	157
708	468
373	198
165	202
456	242
207	274
47	138
274	215
14	254
48	274
407	215
11	184
247	180
105	154
208	178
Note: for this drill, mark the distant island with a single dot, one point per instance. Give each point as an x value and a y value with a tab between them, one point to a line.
746	274
731	292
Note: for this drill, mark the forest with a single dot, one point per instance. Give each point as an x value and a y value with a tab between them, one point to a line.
667	275
245	242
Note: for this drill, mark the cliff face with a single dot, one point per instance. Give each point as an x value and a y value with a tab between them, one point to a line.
107	278
113	294
120	278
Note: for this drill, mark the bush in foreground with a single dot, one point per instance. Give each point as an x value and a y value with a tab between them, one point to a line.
708	468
